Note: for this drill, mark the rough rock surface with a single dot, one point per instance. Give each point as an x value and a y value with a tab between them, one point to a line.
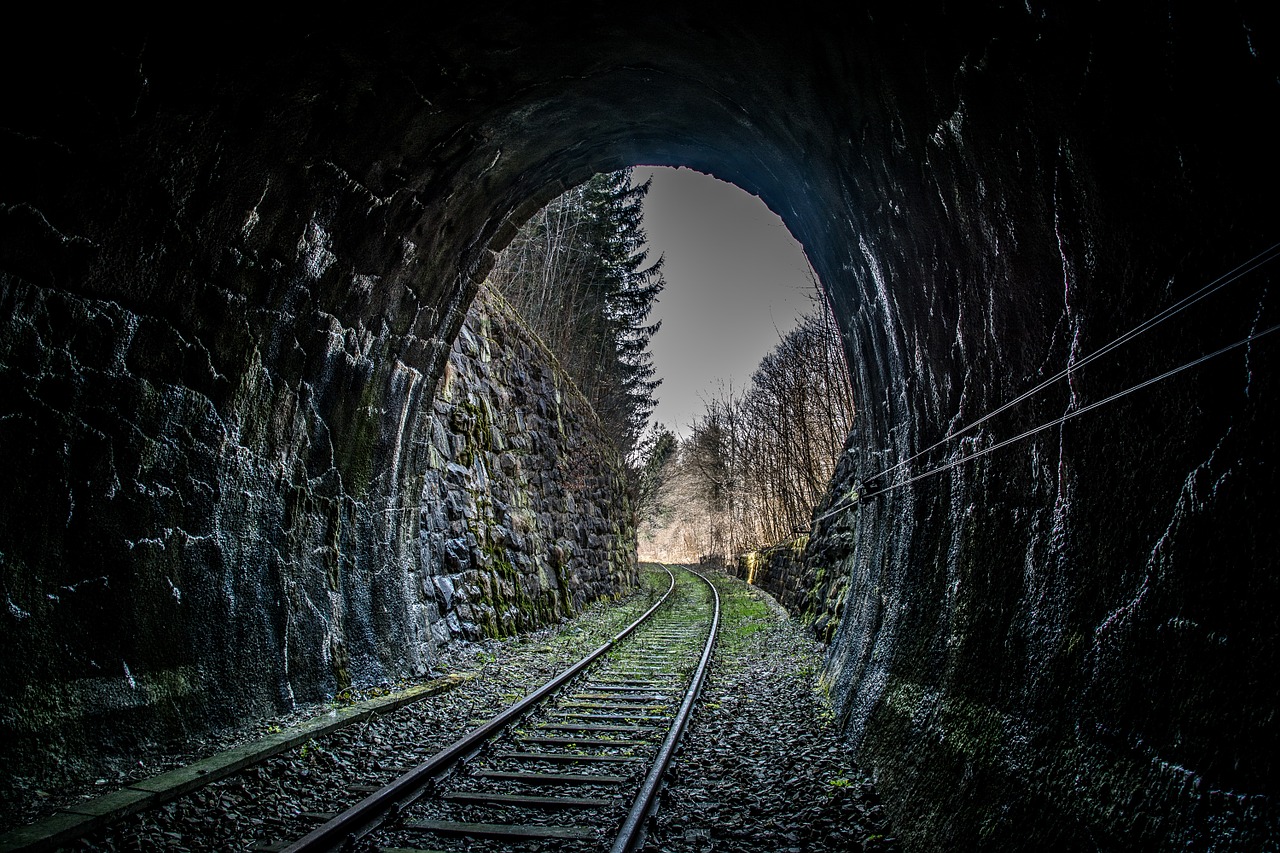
762	765
184	621
228	262
525	512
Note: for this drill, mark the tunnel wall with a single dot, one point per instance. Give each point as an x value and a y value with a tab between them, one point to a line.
1062	644
215	413
1068	643
174	563
189	544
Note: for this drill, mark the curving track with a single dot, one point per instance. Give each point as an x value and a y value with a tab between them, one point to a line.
576	765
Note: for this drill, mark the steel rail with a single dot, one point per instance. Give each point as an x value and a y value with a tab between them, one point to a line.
646	802
371	812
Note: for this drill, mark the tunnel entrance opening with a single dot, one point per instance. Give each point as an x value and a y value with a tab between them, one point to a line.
752	364
230	277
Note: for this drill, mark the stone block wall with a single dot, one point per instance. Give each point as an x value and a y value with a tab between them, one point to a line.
803	582
525	509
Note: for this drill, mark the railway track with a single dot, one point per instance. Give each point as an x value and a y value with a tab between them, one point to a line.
575	766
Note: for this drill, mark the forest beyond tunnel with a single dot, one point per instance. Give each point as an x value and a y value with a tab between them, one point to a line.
229	271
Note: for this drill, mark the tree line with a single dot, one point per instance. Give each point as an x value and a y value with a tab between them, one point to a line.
757	462
579	274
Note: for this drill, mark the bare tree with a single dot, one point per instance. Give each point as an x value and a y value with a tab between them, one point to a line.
756	464
579	273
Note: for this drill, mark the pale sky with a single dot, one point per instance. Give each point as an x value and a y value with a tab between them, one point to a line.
736	281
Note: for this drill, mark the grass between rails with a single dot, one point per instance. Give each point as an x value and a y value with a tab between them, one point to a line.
763	765
743	614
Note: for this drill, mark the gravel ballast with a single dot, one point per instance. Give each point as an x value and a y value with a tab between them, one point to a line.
761	766
287	796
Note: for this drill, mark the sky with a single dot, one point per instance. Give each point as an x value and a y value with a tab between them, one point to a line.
736	282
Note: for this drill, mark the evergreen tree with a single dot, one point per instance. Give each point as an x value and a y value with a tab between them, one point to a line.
580	275
627	287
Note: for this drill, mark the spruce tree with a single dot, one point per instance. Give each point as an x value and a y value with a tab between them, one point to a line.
579	273
627	288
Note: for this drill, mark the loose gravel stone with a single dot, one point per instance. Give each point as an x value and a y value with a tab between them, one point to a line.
287	796
762	766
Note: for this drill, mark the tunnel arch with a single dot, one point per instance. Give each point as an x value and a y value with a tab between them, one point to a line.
631	137
982	191
709	134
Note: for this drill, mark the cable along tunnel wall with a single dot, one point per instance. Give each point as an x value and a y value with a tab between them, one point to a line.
219	267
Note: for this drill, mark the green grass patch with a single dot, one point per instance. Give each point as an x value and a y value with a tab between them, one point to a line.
743	613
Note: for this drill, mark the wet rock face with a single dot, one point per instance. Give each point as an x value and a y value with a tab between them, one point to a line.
525	514
231	276
1067	638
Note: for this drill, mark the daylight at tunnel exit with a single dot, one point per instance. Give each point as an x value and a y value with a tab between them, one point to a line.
516	427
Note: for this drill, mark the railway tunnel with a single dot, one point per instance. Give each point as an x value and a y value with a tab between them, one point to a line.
231	265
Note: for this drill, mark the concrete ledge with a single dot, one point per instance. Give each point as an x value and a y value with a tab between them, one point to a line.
83	818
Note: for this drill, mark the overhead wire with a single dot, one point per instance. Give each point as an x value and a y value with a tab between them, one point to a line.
1048	424
1264	257
1075	412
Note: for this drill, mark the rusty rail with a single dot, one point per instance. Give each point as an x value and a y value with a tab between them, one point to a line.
387	803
